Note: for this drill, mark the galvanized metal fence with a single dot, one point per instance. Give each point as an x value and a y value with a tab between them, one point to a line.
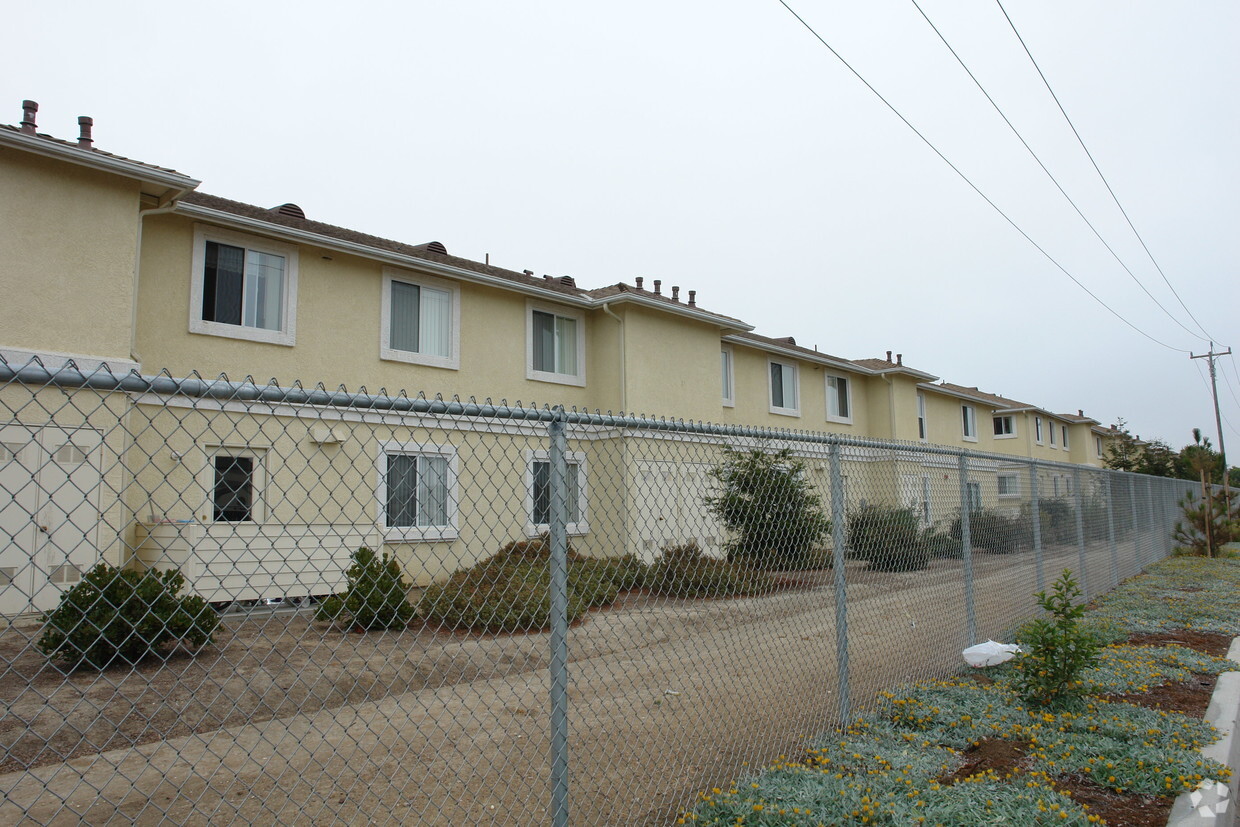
589	617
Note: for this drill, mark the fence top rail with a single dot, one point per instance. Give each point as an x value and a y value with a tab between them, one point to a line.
102	378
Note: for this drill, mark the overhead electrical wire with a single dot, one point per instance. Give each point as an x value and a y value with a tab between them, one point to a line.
1209	390
972	186
1098	169
1049	174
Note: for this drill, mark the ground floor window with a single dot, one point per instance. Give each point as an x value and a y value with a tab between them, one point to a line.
417	491
538	493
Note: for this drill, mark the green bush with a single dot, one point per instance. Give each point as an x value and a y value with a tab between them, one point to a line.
771	509
888	538
995	531
115	614
941	544
375	597
1058	521
684	571
1057	650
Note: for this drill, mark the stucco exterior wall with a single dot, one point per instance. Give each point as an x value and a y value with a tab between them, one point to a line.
68	239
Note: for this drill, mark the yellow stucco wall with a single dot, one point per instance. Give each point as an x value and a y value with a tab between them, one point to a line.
68	237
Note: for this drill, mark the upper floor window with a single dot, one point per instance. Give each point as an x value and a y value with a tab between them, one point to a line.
922	433
839	398
1065	437
1037	429
1005	426
785	394
727	377
1098	445
243	287
1052	430
968	423
555	345
421	320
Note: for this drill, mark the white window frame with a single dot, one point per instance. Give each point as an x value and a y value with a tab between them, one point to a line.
1014	484
1052	426
582	524
835	417
968	423
287	334
796	388
579	378
1011	418
258	483
1098	445
453	360
923	424
1037	429
413	534
1064	433
728	374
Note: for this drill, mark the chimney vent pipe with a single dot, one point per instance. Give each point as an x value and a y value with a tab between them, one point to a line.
693	298
1080	412
675	292
639	281
29	110
889	356
85	122
899	358
658	287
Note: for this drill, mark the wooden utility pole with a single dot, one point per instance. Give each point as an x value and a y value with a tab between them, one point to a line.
1218	420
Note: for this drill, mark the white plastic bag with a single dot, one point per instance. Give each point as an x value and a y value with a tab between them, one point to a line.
990	653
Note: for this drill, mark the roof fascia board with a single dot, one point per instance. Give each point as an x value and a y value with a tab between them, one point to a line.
94	160
374	253
795	354
692	313
913	372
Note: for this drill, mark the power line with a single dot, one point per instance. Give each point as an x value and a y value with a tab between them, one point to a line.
1205	381
972	186
1097	169
1049	175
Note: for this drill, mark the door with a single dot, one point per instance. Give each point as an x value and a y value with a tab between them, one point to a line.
49	513
668	508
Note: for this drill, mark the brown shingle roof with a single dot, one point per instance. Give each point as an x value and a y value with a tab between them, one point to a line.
783	344
93	150
1001	402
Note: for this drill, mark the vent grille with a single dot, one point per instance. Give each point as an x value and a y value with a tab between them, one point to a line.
291	210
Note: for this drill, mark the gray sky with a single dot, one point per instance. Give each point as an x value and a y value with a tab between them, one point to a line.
718	146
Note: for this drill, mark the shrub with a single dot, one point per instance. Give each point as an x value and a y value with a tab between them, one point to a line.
115	614
1058	649
770	508
375	597
941	544
1202	530
888	538
995	531
684	571
1058	521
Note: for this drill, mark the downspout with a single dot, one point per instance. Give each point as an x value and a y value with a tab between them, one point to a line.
624	382
166	205
891	404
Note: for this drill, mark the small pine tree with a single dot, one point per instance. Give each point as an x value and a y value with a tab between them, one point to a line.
772	510
1057	649
376	595
1205	526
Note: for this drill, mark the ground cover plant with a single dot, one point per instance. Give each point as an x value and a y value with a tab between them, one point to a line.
973	750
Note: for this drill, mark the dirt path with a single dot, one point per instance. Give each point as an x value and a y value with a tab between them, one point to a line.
667	697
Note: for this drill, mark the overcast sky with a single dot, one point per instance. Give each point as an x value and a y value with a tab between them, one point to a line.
720	147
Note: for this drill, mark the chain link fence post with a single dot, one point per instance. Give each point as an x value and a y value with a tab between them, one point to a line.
559	619
839	536
1150	506
1111	530
1136	522
1035	507
966	549
1080	530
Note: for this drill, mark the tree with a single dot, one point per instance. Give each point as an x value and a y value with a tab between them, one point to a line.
1157	459
769	506
1205	525
1123	453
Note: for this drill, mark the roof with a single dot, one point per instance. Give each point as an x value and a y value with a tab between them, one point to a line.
45	144
994	400
887	366
788	346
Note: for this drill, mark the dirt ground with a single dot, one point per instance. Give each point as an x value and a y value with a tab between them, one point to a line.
288	721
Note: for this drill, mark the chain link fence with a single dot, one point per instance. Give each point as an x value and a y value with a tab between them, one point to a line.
437	612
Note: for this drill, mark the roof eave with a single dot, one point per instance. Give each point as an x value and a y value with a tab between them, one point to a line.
916	374
98	161
821	359
680	310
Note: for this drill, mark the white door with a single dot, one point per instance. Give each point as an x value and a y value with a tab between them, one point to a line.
668	508
49	513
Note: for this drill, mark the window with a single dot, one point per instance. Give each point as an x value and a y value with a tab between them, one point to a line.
538	493
1065	437
1009	485
1098	445
1052	430
417	491
555	346
421	321
839	399
1037	429
243	287
784	390
1005	426
236	485
727	377
969	423
973	490
921	417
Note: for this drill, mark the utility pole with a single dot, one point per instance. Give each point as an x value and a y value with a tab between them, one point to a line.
1218	420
